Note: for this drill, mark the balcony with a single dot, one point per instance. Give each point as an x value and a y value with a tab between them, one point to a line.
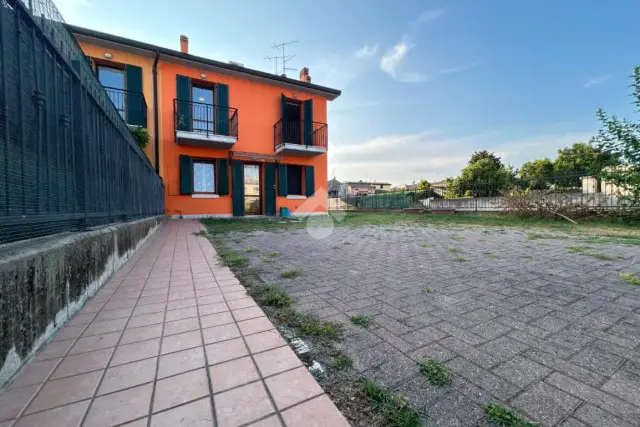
292	137
205	125
131	106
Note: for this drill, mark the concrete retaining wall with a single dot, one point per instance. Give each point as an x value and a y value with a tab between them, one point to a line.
44	282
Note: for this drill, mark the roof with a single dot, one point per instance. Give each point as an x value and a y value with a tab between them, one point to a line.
367	183
224	67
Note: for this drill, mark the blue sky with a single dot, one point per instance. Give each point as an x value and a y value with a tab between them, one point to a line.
425	83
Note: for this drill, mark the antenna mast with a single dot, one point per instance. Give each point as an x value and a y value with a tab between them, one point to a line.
282	58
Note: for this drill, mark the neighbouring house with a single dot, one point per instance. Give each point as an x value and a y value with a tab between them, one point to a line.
357	188
595	185
439	187
227	140
334	188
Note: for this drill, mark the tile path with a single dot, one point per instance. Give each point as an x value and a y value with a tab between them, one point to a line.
171	340
536	324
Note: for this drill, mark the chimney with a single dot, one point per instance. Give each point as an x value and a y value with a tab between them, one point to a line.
304	75
184	44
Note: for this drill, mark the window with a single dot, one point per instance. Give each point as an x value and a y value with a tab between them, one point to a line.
202	98
294	180
204	177
113	81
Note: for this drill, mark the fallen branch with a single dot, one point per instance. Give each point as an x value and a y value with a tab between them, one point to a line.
562	216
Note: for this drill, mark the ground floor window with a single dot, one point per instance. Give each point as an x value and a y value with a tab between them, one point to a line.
294	180
204	176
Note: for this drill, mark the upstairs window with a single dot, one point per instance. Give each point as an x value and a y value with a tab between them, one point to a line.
113	81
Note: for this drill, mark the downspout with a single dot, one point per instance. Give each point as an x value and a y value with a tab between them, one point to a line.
155	111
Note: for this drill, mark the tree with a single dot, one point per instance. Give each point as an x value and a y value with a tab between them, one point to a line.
621	138
581	159
537	173
423	185
484	175
484	154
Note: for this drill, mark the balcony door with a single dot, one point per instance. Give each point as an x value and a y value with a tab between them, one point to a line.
252	201
112	79
292	122
202	109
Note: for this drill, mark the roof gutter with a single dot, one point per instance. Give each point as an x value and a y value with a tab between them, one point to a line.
156	137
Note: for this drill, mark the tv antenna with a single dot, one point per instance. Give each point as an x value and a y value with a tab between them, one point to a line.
282	58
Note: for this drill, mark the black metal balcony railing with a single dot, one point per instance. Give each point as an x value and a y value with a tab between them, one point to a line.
205	118
293	132
131	105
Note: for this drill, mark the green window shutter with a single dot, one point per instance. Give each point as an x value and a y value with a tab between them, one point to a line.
223	176
282	179
309	180
237	173
222	109
283	123
134	101
186	174
308	121
183	107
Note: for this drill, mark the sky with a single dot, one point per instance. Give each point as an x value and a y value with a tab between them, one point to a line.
424	83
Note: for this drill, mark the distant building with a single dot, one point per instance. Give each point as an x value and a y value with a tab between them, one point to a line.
439	187
335	188
357	188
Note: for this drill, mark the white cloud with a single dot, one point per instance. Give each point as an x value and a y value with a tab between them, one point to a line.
597	80
366	51
427	16
460	68
391	62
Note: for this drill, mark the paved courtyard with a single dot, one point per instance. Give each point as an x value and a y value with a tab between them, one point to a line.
543	325
172	340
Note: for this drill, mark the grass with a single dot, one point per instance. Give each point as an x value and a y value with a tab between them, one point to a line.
266	259
273	296
231	258
457	238
274	254
504	417
459	259
490	255
342	362
395	410
630	278
290	274
454	250
526	256
603	257
249	250
584	250
436	372
308	324
541	236
427	290
361	320
578	249
426	245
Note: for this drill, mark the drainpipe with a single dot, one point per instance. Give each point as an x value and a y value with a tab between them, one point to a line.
155	111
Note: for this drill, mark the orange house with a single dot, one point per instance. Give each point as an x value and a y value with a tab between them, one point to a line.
227	140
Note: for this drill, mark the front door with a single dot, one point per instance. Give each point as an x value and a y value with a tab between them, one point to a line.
252	202
270	189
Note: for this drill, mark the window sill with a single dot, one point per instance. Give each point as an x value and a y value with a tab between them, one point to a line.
294	197
204	196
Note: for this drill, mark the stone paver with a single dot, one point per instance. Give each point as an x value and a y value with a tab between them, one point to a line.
553	333
171	340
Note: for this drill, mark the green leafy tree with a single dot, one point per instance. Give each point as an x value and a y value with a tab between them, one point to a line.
423	185
581	159
621	138
484	175
537	173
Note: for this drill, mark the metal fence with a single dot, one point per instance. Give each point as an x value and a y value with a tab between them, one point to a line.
567	191
67	159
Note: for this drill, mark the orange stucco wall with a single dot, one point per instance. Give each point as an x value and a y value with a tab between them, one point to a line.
259	108
146	63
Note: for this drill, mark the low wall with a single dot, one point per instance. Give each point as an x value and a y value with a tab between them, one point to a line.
44	282
497	203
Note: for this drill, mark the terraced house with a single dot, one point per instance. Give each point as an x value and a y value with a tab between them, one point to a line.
227	140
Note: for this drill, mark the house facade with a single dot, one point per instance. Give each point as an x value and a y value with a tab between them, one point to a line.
227	140
357	188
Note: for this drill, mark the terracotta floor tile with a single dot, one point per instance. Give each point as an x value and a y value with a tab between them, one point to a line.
115	305
182	361
319	412
34	373
96	342
291	387
252	326
69	333
211	299
149	309
81	363
138	423
145	320
119	407
81	319
153	299
218	307
175	296
12	401
272	421
92	307
231	296
265	341
241	303
276	360
231	374
233	288
208	291
195	414
141	334
217	319
68	416
64	391
180	326
179	389
183	303
101	328
226	350
182	313
242	405
53	350
247	313
128	375
150	292
113	314
135	351
182	341
220	333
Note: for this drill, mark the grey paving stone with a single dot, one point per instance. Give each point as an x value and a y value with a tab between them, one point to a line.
597	417
521	371
423	336
491	330
597	360
572	422
470	353
546	404
504	347
433	351
625	385
483	379
455	410
556	364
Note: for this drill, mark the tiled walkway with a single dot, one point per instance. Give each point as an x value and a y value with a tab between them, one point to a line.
172	340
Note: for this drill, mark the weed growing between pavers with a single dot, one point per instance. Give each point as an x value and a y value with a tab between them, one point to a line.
361	320
272	296
395	410
584	250
454	250
436	372
504	417
308	324
630	278
459	259
342	361
540	236
458	238
267	259
427	290
426	245
490	255
231	258
290	274
252	250
274	254
526	256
